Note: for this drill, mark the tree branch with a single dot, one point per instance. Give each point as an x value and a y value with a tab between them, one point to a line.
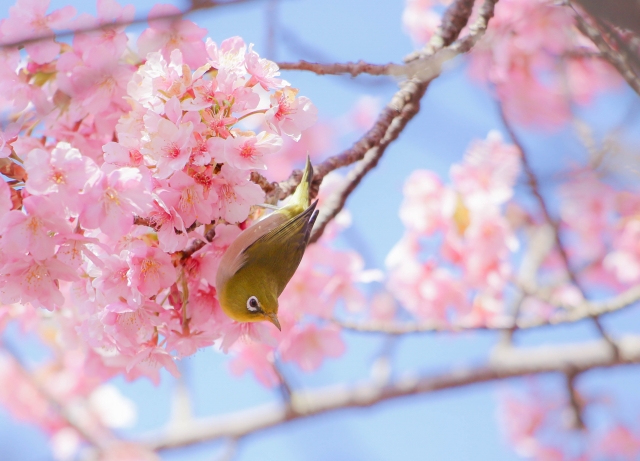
570	314
533	184
617	58
404	105
504	363
352	68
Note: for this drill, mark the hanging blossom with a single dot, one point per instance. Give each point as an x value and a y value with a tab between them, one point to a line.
134	159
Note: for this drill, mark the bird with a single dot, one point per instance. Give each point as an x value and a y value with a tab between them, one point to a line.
256	267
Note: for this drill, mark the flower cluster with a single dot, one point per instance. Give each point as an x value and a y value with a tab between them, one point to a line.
476	243
532	55
121	162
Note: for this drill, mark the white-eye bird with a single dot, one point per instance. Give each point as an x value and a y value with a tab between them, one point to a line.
259	263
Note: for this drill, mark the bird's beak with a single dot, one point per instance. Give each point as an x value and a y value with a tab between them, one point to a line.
273	318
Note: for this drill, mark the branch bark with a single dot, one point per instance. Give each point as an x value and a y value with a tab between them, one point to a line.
617	58
505	363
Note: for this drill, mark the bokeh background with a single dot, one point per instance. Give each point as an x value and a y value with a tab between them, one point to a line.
461	424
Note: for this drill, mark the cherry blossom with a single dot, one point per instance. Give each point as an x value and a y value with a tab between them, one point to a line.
262	71
254	358
28	18
111	202
308	345
64	170
248	152
150	269
290	115
170	34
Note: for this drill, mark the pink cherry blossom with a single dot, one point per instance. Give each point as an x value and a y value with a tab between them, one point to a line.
172	235
236	194
22	399
254	357
308	345
120	155
170	147
151	269
148	363
187	198
586	209
95	81
9	135
110	280
205	95
209	256
34	231
28	280
229	56
263	71
488	243
112	201
127	327
519	55
74	250
236	333
424	289
234	94
64	171
624	261
488	173
290	115
419	20
112	39
315	141
28	18
619	442
383	306
423	207
218	123
169	34
248	152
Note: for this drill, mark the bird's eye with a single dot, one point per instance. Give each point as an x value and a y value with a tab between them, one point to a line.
253	304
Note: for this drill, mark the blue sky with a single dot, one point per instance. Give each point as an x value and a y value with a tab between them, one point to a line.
452	425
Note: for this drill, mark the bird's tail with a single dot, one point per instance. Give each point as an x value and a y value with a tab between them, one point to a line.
300	197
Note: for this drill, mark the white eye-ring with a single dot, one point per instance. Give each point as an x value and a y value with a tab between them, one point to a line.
253	304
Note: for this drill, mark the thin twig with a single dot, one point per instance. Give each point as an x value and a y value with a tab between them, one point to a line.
504	363
352	68
535	190
404	105
569	314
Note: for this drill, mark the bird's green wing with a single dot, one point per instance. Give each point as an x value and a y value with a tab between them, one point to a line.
278	252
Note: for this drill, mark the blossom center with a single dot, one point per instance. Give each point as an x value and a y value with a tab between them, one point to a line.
58	177
149	267
172	150
112	195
